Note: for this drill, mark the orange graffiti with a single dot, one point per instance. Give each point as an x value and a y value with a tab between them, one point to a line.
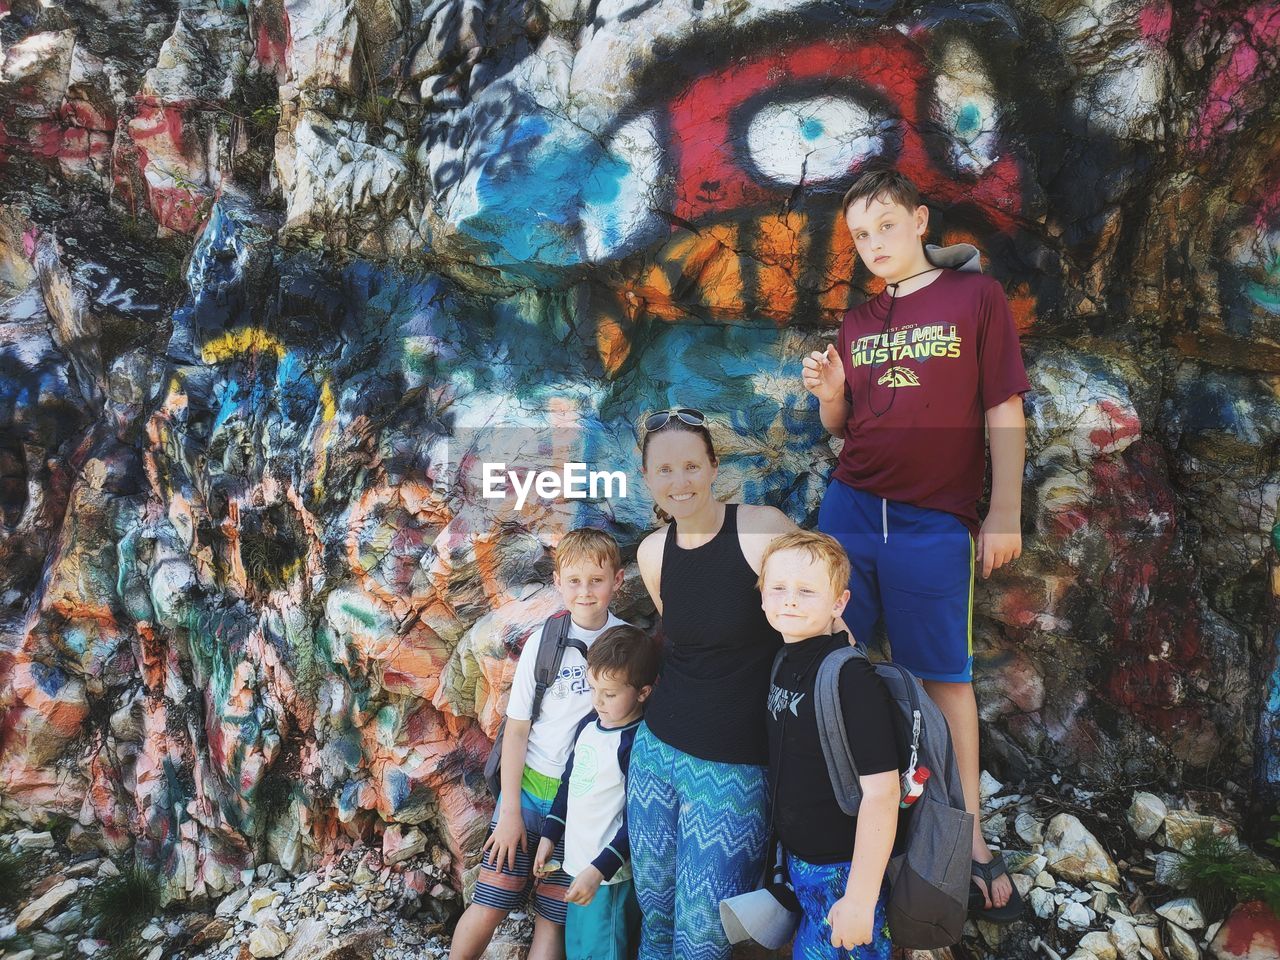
840	264
782	244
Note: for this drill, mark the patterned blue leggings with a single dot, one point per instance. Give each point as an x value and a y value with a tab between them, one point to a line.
818	888
698	833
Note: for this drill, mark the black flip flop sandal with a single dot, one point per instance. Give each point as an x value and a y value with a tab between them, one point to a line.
987	873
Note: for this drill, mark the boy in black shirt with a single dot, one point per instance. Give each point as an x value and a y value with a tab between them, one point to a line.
803	578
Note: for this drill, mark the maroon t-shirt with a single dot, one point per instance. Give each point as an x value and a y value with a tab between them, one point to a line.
949	354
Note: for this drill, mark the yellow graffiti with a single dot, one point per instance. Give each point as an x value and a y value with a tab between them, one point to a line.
237	342
328	410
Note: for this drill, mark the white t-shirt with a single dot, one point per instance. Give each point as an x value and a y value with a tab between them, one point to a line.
597	797
564	704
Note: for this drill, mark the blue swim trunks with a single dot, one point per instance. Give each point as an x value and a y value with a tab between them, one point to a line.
913	567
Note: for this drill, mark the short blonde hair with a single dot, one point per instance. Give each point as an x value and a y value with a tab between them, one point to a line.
819	547
587	544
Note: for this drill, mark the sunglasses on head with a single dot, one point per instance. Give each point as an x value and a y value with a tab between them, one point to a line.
656	421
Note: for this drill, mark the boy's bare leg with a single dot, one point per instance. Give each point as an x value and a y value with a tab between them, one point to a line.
548	940
960	707
474	931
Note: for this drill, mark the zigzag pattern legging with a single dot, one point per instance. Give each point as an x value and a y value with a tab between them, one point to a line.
698	833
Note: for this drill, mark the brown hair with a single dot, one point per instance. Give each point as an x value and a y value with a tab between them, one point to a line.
881	183
819	547
590	544
676	424
625	653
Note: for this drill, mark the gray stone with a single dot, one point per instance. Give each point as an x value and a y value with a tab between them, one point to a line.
44	907
1028	828
1075	915
31	840
1184	912
232	902
1125	939
1146	814
1181	945
46	944
66	921
1168	868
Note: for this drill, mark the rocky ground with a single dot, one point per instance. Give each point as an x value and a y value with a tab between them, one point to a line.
1102	882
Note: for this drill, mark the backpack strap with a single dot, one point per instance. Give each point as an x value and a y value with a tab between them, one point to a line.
832	732
550	654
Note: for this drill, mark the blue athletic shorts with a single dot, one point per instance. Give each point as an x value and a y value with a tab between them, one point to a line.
913	567
608	928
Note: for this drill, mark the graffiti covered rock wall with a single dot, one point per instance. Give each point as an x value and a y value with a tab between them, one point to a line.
280	276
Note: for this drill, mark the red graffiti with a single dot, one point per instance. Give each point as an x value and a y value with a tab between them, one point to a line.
1251	931
711	179
1151	602
269	49
1124	425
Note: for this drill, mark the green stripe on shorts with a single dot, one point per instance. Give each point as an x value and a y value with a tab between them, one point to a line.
539	785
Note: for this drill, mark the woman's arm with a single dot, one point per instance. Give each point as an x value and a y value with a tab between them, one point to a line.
649	560
757	528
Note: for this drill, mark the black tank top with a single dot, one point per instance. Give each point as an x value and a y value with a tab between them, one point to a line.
710	700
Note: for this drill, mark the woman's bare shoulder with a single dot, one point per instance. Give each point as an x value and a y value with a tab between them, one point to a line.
759	518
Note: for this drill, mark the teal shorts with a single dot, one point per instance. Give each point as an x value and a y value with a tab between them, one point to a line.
608	928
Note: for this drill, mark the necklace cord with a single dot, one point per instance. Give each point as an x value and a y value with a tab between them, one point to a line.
893	299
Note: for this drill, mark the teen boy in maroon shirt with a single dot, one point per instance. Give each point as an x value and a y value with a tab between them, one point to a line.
920	370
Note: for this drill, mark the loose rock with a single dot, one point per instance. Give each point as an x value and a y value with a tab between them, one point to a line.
1125	939
39	910
268	940
1185	912
1074	854
1146	814
1182	827
1181	945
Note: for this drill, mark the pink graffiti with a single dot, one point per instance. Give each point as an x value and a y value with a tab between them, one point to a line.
157	132
1155	22
1225	105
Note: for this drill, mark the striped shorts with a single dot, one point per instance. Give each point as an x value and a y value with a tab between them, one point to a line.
505	889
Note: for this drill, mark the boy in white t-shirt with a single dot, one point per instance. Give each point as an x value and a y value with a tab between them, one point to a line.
590	808
588	572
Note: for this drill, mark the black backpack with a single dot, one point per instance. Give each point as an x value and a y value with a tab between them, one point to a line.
929	870
555	637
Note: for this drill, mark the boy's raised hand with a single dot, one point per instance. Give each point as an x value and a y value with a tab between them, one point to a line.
824	374
583	889
507	838
852	923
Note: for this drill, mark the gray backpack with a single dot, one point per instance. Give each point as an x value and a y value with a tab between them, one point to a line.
929	870
555	637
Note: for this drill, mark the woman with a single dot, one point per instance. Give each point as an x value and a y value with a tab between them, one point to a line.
697	786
